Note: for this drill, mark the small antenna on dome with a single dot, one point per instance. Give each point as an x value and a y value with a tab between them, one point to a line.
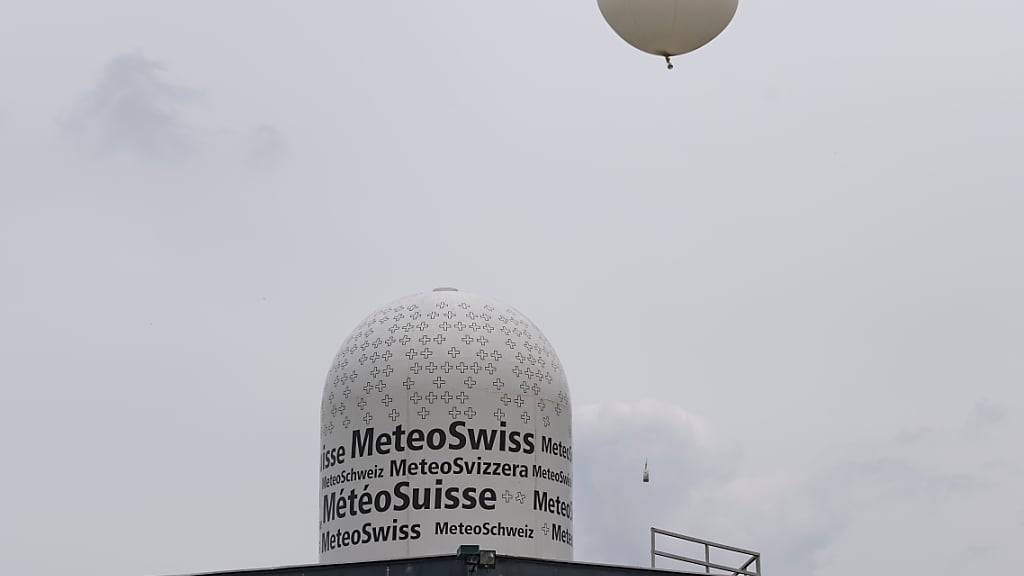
647	473
668	60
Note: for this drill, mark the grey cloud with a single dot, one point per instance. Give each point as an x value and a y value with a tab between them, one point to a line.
985	415
267	146
132	111
794	517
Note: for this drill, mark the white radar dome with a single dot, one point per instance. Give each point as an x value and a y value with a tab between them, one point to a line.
668	27
445	421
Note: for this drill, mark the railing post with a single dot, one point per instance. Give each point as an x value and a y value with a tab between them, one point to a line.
707	559
652	546
758	564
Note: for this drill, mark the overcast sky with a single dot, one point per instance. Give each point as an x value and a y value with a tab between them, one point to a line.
789	272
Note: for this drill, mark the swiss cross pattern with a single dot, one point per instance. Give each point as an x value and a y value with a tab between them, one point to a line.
402	357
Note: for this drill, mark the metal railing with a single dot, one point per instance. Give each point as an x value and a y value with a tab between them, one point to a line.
745	569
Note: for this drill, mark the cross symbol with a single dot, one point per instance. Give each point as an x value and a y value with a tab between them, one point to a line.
447	367
346	392
462	397
455	412
547	421
525	418
431	367
387	400
505	399
363	359
481	340
460	325
558	409
541	405
391	340
470	413
367	417
432	315
490	369
453	352
481	354
423	413
470	382
535	388
519	401
375	371
415	368
387	355
524	386
424	339
408	383
439	382
410	354
520	497
546	529
427	353
366	388
416	397
520	357
506	496
447	397
475	368
423	326
431	396
380	386
361	403
473	325
393	414
439	339
499	415
495	355
346	422
444	326
449	314
467	339
498	384
462	367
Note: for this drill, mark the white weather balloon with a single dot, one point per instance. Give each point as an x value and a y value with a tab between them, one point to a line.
668	27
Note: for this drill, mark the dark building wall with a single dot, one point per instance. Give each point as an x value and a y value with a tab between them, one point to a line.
455	566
